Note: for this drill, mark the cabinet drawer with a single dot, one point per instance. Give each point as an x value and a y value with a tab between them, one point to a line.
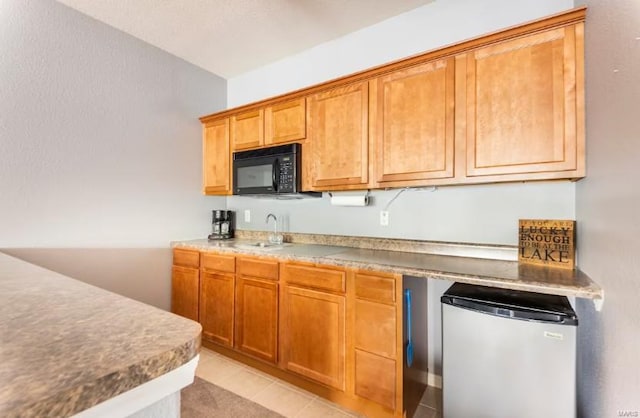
376	328
316	277
266	269
186	258
376	378
217	262
378	288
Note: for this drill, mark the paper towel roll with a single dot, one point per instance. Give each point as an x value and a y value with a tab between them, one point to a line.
359	200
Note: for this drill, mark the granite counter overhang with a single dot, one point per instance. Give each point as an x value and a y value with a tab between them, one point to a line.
479	271
67	346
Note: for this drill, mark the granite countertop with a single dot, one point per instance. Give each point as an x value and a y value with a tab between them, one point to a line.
66	346
502	272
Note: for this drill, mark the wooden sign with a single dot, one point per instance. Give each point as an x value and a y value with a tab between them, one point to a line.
547	242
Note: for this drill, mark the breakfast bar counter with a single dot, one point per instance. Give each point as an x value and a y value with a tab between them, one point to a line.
66	346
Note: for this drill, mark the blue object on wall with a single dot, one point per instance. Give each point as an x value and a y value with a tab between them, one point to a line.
407	296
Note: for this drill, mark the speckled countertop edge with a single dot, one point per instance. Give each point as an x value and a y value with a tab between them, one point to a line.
498	273
77	399
60	357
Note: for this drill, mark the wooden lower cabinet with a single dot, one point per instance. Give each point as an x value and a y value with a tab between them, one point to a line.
334	331
217	307
185	279
313	335
376	327
375	378
378	339
257	317
184	292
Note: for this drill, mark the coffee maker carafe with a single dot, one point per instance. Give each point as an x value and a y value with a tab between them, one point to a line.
222	224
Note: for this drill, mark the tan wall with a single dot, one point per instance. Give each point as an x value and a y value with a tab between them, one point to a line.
143	274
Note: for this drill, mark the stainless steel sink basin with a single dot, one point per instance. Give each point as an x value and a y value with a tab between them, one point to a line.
264	246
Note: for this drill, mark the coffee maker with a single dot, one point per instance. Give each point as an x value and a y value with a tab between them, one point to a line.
222	224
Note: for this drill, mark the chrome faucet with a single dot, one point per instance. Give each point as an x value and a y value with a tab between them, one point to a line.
274	238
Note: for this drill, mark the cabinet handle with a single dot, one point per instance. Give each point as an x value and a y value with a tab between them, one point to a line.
275	173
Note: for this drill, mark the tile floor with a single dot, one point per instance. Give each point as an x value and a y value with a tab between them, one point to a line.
282	397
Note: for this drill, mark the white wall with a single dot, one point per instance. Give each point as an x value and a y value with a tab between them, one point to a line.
608	204
432	26
100	146
482	213
100	143
478	214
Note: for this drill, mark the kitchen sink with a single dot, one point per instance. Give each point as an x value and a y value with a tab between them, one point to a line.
264	246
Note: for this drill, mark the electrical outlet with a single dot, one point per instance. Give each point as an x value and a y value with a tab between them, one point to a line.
247	216
384	218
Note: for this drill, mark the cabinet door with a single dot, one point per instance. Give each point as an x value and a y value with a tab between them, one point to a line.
378	342
257	317
376	328
216	307
184	292
313	335
521	105
285	122
414	126
376	352
338	131
375	378
247	130
216	158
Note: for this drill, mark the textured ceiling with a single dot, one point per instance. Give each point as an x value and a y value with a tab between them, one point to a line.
230	37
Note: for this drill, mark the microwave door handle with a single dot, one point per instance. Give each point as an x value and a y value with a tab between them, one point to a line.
275	174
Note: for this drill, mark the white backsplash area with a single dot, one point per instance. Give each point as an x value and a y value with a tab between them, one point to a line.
485	214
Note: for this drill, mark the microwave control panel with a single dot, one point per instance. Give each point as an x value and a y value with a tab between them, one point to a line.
287	175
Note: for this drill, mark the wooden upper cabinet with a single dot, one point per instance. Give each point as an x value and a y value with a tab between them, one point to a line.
216	157
414	123
285	122
338	131
247	130
521	105
508	106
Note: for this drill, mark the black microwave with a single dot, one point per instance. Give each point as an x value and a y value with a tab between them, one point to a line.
267	171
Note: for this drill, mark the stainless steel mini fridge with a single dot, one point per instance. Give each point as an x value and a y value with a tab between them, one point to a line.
507	354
